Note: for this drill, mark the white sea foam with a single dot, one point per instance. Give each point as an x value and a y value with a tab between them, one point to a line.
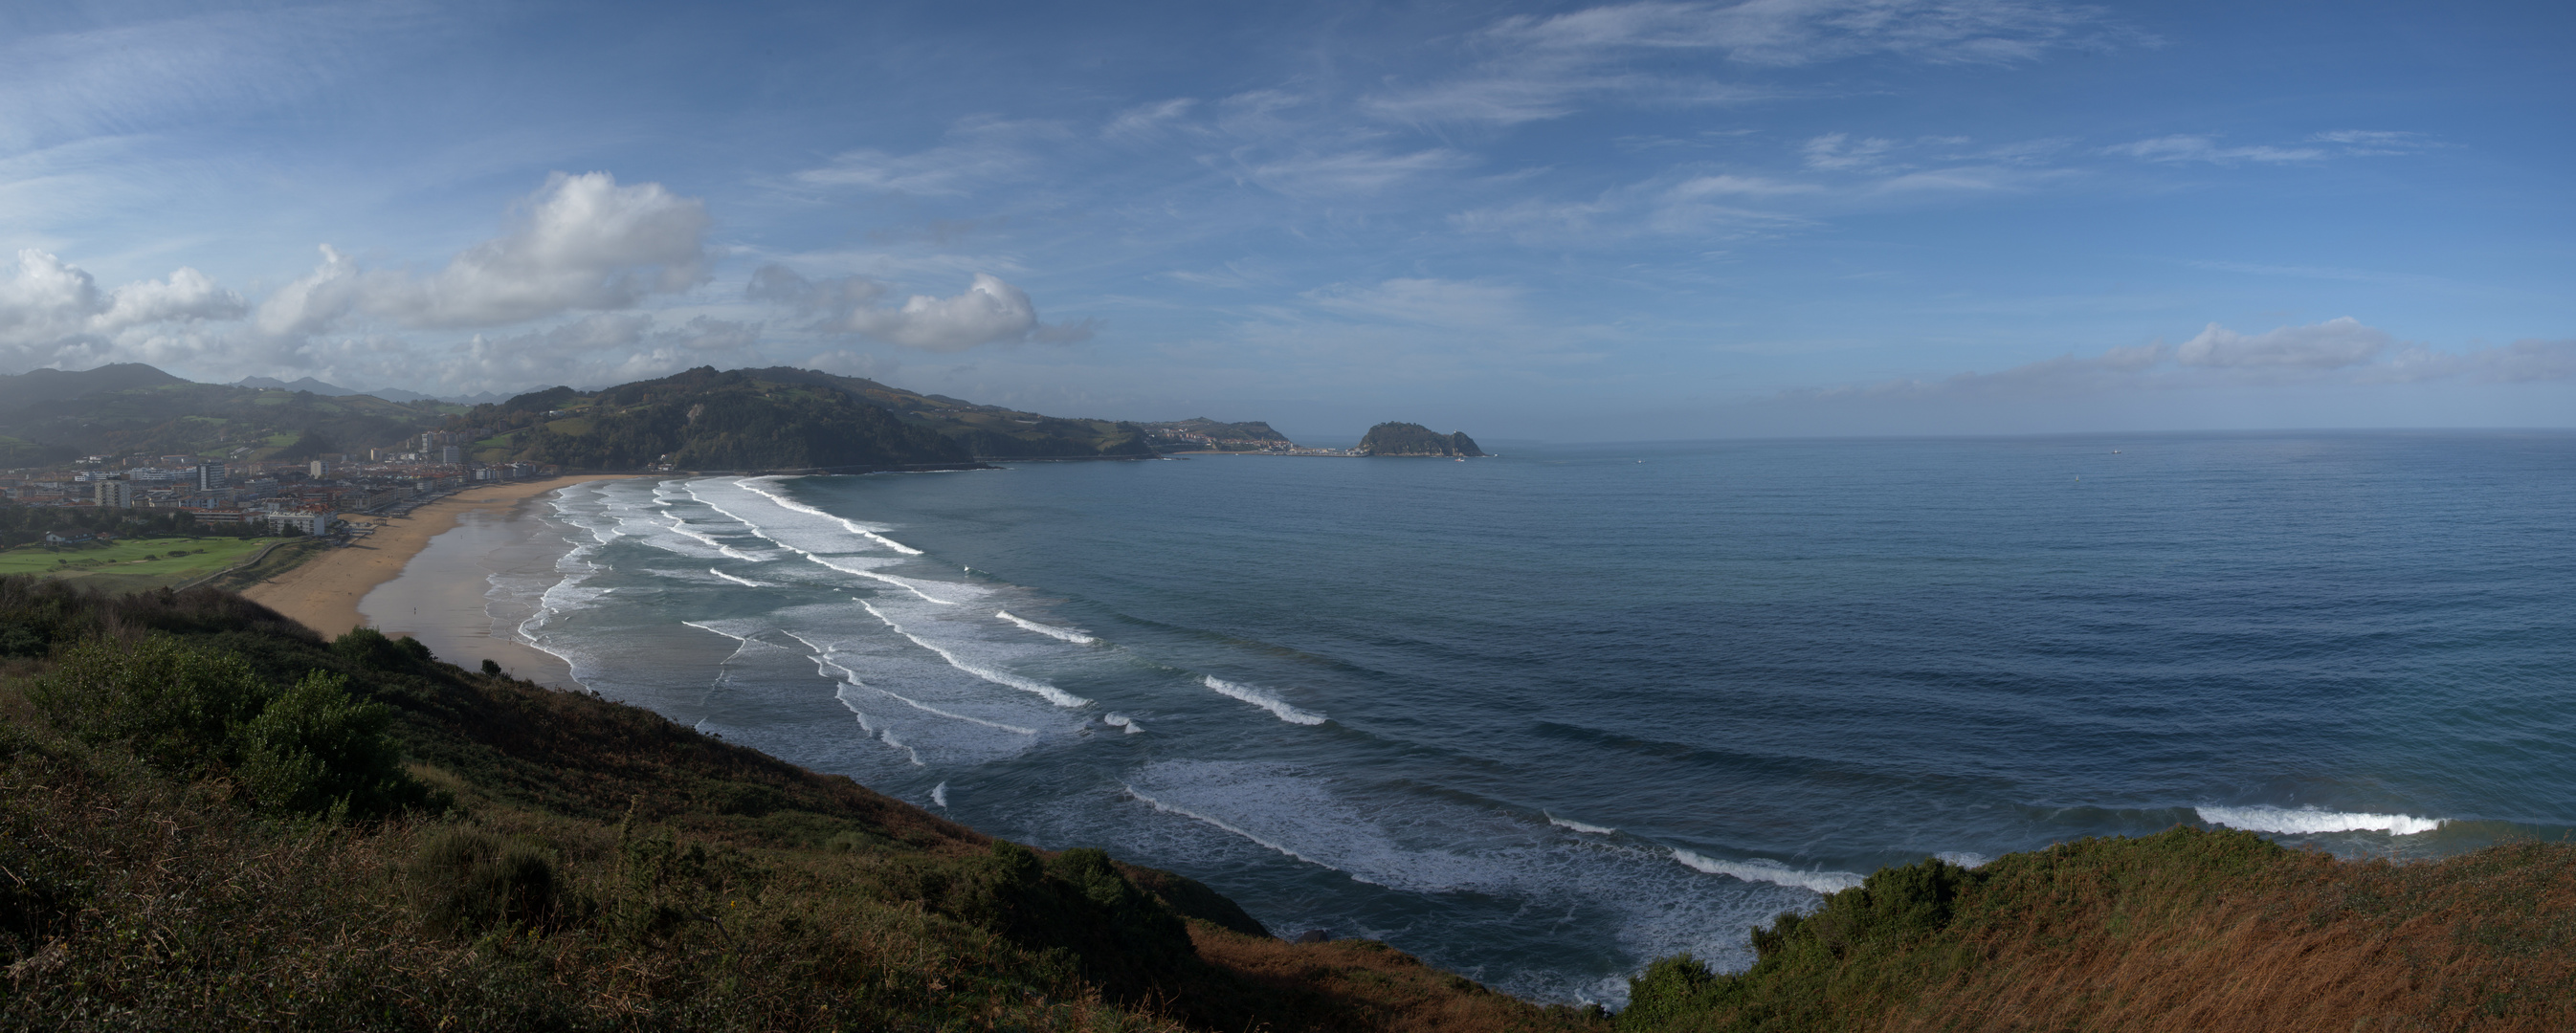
1049	630
1568	823
1762	869
1964	859
1118	720
1204	819
950	714
2310	819
939	795
743	581
861	530
1260	698
1052	694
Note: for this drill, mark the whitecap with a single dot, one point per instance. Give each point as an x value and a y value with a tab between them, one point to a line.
1052	694
1965	859
2310	819
1260	698
1049	630
1763	869
1568	823
1118	720
861	530
743	581
939	795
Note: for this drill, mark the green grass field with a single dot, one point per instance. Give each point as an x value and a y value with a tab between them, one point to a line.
132	564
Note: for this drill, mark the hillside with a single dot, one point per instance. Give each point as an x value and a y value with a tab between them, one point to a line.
214	818
48	416
1414	439
764	419
777	418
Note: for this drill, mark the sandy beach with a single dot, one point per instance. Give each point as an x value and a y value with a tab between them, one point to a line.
326	593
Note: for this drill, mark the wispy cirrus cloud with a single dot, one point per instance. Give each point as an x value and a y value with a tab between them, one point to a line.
1534	67
2337	351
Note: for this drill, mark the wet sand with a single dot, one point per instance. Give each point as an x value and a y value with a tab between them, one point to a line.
442	601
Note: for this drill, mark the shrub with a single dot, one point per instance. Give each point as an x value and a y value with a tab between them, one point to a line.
465	881
176	706
370	649
491	667
315	749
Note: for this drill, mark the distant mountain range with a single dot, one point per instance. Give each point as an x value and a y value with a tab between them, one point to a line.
390	394
750	419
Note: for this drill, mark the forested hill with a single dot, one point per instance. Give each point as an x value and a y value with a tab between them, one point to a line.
777	418
1414	439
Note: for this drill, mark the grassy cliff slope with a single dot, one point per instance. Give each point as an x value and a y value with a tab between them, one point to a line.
212	818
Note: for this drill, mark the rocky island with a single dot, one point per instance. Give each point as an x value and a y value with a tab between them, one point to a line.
1414	439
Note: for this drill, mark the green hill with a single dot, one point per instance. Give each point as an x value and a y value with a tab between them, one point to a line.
1414	439
48	416
778	418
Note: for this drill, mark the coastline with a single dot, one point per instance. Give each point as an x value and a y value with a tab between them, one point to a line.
327	592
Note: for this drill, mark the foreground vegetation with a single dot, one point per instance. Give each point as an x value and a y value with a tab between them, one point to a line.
211	817
2187	929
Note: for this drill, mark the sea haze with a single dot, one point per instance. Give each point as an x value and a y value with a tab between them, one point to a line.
1545	717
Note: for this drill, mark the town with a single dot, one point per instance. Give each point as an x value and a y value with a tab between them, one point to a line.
299	497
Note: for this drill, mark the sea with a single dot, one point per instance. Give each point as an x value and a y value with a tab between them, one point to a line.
1544	717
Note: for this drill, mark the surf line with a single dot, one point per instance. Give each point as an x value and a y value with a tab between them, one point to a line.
1049	630
1052	694
1277	707
794	506
1766	870
1204	819
757	532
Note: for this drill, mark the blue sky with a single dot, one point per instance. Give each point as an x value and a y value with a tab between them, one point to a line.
1531	221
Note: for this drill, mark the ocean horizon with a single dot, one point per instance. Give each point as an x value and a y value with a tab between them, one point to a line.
1544	717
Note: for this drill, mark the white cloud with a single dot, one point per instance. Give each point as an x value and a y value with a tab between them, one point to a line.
582	243
990	311
53	313
2333	344
2187	147
1838	152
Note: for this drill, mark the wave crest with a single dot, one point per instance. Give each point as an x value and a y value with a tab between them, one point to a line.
2284	821
1765	870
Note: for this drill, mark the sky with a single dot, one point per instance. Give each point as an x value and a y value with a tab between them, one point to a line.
1530	221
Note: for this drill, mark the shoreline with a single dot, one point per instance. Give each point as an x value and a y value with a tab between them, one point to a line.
326	593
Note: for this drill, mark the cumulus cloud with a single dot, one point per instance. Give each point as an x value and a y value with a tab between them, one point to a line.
54	313
989	311
581	243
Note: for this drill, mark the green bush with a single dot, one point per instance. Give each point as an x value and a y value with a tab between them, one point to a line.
370	649
175	706
315	749
312	749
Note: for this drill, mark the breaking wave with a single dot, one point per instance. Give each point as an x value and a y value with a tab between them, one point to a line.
2309	819
1567	823
1049	630
863	531
1260	698
1770	871
1053	695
